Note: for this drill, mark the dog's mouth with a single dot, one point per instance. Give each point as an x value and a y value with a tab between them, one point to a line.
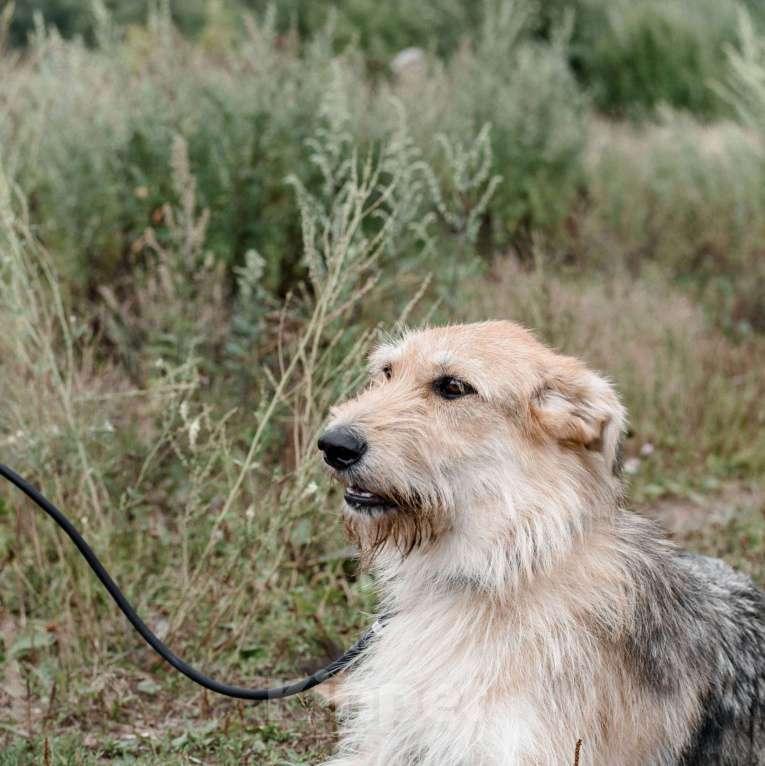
361	499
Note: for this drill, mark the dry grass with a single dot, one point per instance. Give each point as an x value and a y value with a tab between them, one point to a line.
694	394
685	200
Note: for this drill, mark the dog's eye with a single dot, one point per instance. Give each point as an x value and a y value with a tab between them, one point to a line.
452	388
387	371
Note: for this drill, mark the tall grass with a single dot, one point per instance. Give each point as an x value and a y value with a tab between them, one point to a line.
215	520
632	56
687	199
100	178
527	93
199	240
692	393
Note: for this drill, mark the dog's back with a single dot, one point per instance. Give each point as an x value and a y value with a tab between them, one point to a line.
697	631
724	641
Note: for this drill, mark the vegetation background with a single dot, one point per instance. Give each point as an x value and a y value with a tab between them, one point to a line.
210	210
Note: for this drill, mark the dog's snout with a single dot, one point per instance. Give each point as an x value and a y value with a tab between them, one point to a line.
342	447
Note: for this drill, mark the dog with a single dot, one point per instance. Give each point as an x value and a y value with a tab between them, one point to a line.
529	618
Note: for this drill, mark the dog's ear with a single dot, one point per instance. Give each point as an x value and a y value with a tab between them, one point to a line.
578	407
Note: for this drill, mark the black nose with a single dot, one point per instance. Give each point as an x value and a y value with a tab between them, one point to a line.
342	447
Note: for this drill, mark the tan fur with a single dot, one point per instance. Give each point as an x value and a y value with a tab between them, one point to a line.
501	568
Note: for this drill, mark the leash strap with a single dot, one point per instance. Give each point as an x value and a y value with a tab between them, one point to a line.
239	692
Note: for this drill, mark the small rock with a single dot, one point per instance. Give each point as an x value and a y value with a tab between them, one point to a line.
408	60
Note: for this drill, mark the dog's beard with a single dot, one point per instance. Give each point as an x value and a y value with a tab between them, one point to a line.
408	521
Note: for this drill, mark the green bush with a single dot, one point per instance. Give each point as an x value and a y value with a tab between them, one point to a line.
380	29
635	56
524	90
632	56
73	18
93	158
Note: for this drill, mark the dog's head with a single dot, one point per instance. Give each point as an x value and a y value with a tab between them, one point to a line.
473	431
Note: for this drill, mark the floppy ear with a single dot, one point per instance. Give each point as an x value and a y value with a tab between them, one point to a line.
582	409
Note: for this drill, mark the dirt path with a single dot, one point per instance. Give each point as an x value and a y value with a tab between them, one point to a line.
685	515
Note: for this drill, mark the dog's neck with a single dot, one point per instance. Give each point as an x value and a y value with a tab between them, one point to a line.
501	545
511	572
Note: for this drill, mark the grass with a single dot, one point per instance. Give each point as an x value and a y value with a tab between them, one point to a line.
693	393
199	240
247	111
646	54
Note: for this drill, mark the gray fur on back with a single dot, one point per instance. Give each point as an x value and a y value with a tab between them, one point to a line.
700	629
732	729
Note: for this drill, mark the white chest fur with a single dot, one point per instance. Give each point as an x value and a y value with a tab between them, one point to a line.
455	683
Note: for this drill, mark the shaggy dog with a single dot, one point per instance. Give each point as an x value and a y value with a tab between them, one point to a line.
526	608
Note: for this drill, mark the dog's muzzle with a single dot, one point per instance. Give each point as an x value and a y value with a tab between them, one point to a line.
343	448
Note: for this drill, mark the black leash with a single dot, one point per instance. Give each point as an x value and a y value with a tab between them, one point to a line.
154	642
